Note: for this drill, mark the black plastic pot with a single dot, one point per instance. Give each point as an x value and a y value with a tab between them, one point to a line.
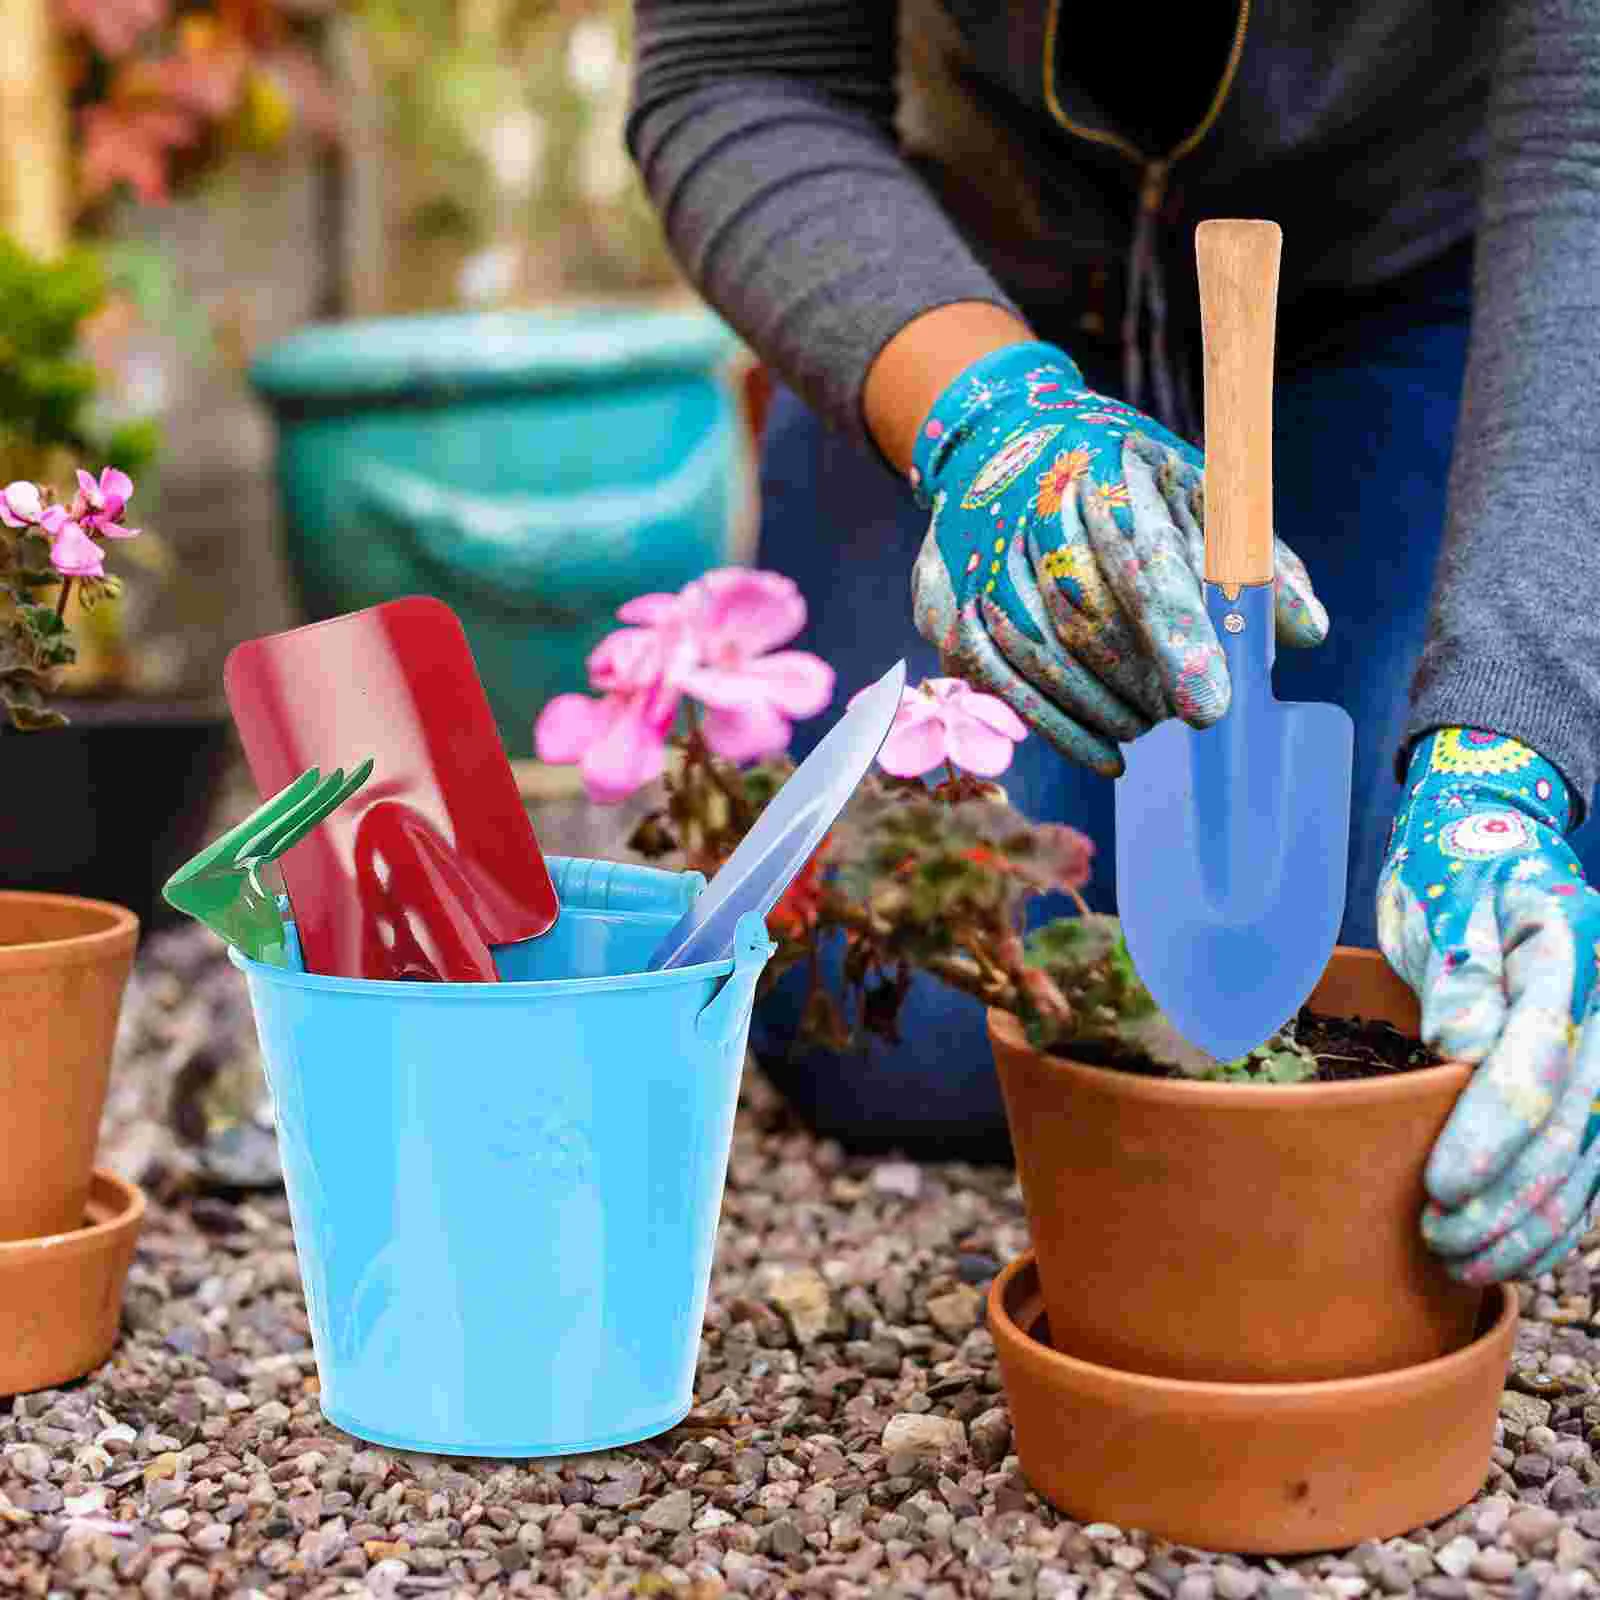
111	806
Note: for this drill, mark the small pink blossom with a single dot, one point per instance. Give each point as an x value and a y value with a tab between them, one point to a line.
715	641
21	505
99	503
945	719
72	531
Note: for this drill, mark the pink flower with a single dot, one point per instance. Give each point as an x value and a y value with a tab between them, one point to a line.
752	691
945	719
99	503
619	743
21	505
715	641
72	552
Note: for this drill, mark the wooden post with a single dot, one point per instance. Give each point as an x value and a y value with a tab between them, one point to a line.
35	161
360	219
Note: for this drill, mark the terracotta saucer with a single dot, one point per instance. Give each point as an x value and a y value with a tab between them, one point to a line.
1262	1469
61	1294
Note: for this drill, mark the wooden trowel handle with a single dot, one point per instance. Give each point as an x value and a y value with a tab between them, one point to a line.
1238	264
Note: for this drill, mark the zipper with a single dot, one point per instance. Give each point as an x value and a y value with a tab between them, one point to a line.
1154	170
1173	401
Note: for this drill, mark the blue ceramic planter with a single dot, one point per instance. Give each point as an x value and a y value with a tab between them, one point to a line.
934	1096
533	470
505	1196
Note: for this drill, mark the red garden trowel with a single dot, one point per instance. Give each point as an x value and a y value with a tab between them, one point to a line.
1232	840
435	861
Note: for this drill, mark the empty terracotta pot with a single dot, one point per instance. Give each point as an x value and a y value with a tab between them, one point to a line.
64	963
61	1297
1238	1233
1263	1469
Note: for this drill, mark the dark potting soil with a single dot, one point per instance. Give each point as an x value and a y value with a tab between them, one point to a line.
1350	1047
1346	1048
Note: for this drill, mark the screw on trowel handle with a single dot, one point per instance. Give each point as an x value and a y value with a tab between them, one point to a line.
1238	264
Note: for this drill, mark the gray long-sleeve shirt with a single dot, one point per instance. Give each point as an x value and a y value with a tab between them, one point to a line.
827	170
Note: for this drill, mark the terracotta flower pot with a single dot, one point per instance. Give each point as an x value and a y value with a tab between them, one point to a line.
1238	1233
61	1297
1267	1469
64	962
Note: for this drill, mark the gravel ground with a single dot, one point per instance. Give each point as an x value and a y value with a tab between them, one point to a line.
851	1436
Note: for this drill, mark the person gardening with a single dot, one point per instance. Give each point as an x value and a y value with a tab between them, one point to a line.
961	236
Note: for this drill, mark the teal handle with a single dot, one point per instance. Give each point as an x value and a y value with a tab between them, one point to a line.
729	1012
546	551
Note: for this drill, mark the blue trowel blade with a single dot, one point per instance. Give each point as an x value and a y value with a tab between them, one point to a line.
1232	848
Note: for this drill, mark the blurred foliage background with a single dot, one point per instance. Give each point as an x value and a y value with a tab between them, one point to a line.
183	181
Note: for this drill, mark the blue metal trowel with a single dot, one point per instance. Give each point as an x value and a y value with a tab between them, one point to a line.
1232	840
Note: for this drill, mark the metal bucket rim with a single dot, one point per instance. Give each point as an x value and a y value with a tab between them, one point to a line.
505	993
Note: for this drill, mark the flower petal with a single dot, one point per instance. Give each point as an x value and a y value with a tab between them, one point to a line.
993	712
630	658
22	501
724	688
747	733
116	490
114	530
568	725
798	683
976	747
631	753
75	555
89	488
650	610
913	748
739	613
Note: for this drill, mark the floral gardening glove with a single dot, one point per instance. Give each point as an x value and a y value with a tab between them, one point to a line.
1484	911
1063	566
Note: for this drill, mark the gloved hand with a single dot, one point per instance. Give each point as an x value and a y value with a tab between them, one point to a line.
1063	565
1484	911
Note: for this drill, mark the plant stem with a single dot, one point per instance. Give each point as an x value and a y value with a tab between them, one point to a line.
699	751
61	599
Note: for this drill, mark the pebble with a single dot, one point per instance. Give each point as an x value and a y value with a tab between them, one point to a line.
1455	1558
990	1436
920	1435
671	1513
1494	1566
1524	1411
901	1179
802	1296
956	1313
1235	1583
1533	1527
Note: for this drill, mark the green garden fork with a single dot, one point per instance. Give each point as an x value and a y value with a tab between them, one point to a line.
222	887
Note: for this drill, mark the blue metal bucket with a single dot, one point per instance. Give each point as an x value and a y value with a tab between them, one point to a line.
505	1196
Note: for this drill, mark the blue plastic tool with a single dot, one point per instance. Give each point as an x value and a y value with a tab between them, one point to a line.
787	833
505	1195
1232	841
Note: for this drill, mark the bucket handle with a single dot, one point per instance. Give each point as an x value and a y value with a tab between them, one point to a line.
720	1023
550	552
622	885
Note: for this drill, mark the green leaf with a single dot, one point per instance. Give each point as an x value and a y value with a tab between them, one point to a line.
42	621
